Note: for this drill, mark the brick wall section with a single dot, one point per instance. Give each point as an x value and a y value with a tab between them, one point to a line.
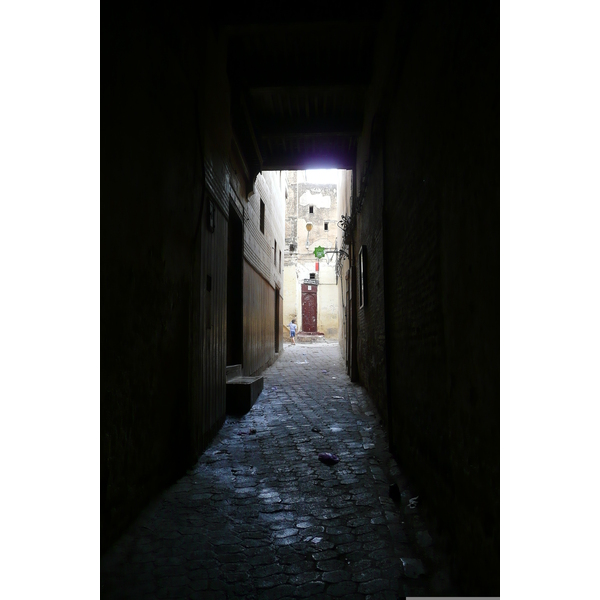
437	136
371	318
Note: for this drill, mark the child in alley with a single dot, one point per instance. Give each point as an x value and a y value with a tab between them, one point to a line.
293	327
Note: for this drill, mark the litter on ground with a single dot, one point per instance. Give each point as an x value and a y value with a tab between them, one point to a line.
328	458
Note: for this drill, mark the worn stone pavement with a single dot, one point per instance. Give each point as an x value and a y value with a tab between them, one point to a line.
260	517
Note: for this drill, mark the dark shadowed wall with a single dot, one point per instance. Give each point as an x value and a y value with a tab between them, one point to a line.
151	197
433	196
167	155
371	316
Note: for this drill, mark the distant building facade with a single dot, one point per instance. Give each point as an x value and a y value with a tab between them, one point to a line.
309	290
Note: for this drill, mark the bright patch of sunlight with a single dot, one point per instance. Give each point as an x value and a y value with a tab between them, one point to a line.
322	176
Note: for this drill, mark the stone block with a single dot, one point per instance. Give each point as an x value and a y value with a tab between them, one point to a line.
242	393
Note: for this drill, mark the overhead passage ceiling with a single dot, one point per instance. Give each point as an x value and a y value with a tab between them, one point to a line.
299	78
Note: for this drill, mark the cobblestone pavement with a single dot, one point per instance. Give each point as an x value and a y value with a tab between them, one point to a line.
260	517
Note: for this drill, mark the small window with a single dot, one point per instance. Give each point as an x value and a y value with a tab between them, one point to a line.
310	209
326	226
262	216
292	248
280	261
312	276
275	254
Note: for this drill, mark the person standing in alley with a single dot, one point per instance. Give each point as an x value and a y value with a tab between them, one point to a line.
293	327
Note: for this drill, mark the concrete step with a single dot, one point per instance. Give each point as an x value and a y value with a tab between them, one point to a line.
233	371
309	338
242	393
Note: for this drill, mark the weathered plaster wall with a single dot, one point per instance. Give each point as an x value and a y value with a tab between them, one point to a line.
327	300
289	298
301	262
291	291
344	191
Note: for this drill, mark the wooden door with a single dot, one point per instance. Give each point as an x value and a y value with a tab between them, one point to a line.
309	308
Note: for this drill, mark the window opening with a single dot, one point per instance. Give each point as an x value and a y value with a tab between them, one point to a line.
310	209
275	254
312	276
326	226
262	216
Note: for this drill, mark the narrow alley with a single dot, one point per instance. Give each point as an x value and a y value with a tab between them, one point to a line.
211	246
260	516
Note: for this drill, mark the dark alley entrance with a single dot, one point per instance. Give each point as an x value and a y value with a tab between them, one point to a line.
204	111
260	516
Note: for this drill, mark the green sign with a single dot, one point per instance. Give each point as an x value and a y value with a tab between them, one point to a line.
320	252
